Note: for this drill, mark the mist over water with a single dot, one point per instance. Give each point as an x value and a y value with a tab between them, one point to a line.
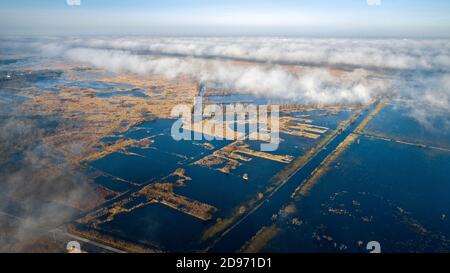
40	191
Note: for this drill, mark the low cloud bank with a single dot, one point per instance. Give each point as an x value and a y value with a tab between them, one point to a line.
428	100
315	85
213	59
264	74
357	53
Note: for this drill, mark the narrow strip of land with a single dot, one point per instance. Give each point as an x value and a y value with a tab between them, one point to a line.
404	142
304	188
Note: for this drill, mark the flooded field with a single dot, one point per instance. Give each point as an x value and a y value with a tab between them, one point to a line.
231	177
95	147
379	189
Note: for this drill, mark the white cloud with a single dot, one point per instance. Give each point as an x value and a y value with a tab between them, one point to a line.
317	85
428	100
214	59
357	53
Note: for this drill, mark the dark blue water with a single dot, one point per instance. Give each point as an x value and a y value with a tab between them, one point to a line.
391	193
53	83
239	234
132	93
158	225
92	74
289	145
150	164
224	191
113	184
324	118
398	122
100	85
238	98
110	139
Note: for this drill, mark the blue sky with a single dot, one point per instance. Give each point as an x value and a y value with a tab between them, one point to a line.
197	17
